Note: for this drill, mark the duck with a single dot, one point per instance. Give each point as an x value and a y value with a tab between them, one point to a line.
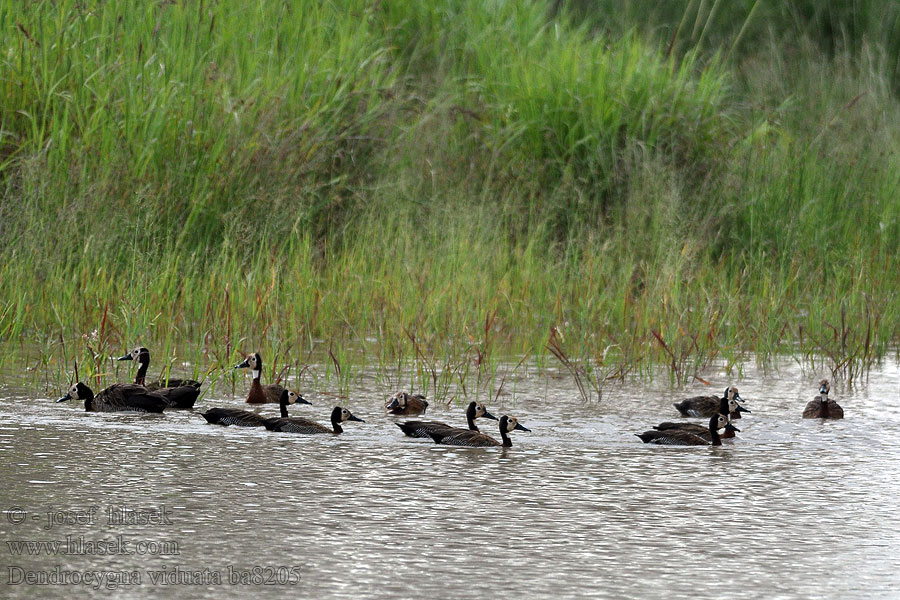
697	429
726	407
300	425
476	439
249	418
823	407
421	429
179	393
675	437
119	397
260	394
706	406
404	403
142	357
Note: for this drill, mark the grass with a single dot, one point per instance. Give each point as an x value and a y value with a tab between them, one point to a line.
437	192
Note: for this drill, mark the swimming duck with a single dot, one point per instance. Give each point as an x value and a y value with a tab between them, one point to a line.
823	407
142	356
300	425
119	397
475	439
706	406
726	407
248	418
421	429
179	393
675	437
404	403
696	429
260	394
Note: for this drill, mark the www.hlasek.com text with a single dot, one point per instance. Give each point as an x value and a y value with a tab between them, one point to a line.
78	545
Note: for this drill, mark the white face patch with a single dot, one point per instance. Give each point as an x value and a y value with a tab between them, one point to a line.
73	391
511	423
345	414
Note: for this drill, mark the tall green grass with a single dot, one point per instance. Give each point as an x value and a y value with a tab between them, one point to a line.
436	190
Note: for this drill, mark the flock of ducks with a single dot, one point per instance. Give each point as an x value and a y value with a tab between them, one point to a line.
157	396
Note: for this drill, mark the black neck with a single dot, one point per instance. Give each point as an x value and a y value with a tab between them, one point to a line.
470	417
141	373
336	420
507	443
284	412
714	431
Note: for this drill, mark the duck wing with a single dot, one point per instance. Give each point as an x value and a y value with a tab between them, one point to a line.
672	437
698	406
295	425
179	397
455	436
233	416
423	429
273	392
128	397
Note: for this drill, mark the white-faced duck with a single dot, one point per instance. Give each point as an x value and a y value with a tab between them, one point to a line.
475	439
726	407
248	418
675	437
259	394
823	407
299	425
179	393
424	429
119	397
404	403
708	406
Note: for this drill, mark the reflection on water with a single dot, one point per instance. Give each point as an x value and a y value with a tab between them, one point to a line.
793	508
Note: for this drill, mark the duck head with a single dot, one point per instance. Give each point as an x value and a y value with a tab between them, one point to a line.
140	355
292	397
252	362
78	391
508	424
477	410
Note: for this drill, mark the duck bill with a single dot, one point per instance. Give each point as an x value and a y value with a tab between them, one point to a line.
730	427
64	398
302	400
488	415
737	398
126	357
394	403
354	418
823	390
243	365
741	409
520	427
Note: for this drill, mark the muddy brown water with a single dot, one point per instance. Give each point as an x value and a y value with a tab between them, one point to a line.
167	504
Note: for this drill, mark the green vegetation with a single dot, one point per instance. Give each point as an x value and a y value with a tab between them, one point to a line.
436	189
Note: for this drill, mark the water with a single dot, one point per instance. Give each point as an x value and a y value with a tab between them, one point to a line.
793	508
